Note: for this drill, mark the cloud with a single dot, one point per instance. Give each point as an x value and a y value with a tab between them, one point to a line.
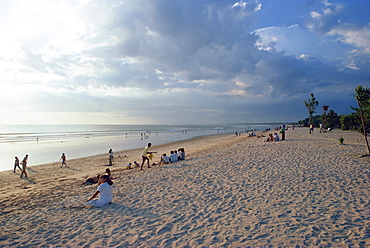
327	38
331	21
329	17
197	60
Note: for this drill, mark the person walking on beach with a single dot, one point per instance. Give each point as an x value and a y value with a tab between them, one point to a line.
145	154
64	160
111	157
105	192
24	165
16	164
311	128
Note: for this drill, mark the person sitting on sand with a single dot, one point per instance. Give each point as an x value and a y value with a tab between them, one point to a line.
104	191
16	164
173	157
182	154
270	138
128	166
276	137
136	164
164	159
253	134
107	172
178	153
91	180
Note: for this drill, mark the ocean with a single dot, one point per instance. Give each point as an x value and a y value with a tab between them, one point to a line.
46	143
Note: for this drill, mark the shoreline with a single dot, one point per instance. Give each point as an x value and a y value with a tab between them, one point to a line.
39	153
230	191
45	144
97	156
84	167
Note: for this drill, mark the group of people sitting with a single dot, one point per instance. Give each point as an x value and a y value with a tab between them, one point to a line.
104	191
129	165
175	156
274	137
252	134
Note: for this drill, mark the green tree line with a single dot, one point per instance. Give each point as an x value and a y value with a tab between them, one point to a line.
351	121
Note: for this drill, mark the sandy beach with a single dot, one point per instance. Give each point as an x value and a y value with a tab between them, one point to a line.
231	191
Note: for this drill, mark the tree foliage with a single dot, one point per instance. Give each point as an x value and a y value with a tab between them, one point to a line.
332	119
359	120
362	95
350	122
311	105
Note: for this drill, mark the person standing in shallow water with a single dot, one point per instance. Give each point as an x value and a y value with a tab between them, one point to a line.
145	154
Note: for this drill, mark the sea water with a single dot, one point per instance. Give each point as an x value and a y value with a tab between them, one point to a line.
46	143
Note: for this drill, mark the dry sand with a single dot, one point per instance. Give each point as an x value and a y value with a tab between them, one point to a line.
231	191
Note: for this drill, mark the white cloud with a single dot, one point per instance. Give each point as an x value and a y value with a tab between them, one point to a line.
143	60
331	15
359	37
295	40
252	6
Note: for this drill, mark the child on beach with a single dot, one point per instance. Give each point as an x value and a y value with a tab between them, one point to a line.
136	164
128	166
16	164
104	191
64	159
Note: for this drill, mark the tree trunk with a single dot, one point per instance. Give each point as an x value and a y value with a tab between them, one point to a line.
363	126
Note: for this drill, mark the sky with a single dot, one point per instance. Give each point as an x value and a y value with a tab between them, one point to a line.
179	62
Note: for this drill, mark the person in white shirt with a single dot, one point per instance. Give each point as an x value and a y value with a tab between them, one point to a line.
111	157
104	191
181	154
173	157
164	159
